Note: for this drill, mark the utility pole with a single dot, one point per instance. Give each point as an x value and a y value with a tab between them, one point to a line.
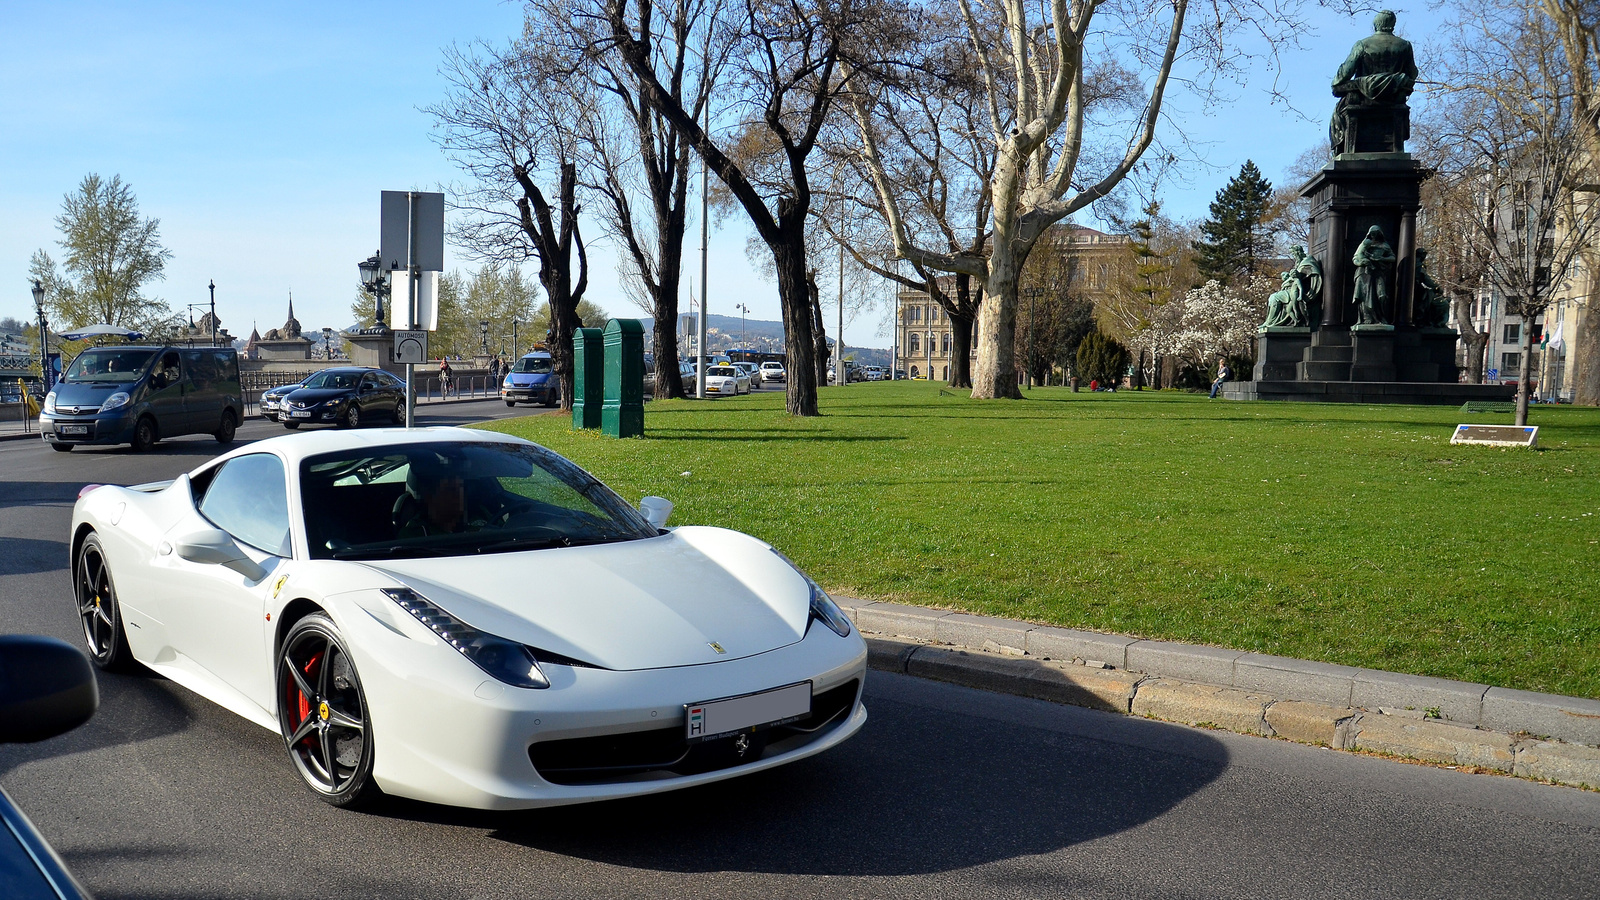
838	340
702	361
213	288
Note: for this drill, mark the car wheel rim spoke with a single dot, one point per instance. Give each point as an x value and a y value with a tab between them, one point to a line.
322	679
94	590
299	680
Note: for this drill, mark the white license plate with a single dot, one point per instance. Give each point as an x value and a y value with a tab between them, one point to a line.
751	712
300	415
73	429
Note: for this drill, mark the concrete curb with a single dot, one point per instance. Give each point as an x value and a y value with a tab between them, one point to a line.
1532	735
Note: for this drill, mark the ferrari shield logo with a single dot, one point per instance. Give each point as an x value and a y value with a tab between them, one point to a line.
717	647
322	710
278	585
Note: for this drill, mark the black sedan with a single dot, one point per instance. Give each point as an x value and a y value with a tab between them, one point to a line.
345	396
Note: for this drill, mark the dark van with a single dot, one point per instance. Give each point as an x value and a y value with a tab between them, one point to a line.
141	395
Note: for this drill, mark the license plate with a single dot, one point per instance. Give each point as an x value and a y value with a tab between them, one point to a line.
748	713
73	429
300	415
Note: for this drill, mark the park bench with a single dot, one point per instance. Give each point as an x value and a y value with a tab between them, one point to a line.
1488	406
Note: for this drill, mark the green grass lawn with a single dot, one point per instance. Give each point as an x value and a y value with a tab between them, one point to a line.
1349	534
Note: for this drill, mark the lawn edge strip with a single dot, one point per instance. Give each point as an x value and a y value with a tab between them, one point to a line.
1544	737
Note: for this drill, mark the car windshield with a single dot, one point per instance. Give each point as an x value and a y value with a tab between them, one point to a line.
454	498
334	380
108	365
532	365
726	371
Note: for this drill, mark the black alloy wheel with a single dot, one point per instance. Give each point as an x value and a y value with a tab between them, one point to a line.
511	403
322	713
98	610
61	448
290	425
224	434
352	416
145	434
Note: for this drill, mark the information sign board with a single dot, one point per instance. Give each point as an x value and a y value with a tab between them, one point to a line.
1497	435
411	347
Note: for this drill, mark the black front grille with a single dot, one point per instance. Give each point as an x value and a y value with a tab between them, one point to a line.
621	757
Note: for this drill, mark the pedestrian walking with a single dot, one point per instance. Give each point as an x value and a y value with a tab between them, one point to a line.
444	377
1223	374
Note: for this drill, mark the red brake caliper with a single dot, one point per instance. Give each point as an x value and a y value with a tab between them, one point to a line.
303	701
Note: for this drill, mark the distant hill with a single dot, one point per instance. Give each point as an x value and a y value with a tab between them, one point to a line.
723	333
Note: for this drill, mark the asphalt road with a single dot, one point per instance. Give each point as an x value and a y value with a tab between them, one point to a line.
947	792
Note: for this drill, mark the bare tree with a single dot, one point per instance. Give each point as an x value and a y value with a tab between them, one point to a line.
506	121
1576	24
638	161
1451	206
784	68
1519	148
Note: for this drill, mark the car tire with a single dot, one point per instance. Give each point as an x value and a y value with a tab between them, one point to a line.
61	448
98	610
224	434
351	417
291	425
511	403
145	434
323	714
398	414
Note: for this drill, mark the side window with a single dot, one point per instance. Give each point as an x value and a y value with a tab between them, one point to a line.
227	365
198	364
168	372
249	498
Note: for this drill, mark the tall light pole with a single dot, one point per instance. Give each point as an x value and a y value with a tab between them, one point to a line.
375	282
483	329
327	343
700	365
44	348
1027	365
516	352
213	288
839	340
743	311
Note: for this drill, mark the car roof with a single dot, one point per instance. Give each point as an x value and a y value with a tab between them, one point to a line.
537	354
301	444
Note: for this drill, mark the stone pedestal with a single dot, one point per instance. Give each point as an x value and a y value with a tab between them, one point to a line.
375	350
1438	346
294	348
1279	350
1372	357
1328	356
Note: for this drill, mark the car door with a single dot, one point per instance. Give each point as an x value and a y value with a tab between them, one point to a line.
202	399
371	396
166	395
215	615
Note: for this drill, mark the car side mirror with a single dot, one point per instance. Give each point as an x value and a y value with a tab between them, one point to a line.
656	510
213	546
47	688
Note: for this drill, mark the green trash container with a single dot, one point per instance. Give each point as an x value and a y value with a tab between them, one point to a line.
622	413
588	373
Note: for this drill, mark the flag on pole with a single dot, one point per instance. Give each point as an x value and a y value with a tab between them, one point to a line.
1555	340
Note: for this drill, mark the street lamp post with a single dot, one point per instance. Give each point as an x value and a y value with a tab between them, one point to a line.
375	282
483	330
516	352
743	311
327	343
44	347
1027	365
213	288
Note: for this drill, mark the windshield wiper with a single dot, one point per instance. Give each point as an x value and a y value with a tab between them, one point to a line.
542	543
390	551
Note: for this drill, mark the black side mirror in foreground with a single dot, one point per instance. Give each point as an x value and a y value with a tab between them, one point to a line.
47	688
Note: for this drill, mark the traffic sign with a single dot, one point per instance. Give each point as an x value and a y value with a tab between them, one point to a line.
411	347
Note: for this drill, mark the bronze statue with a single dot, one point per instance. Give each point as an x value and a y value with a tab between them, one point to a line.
1373	85
1374	262
1302	285
1432	311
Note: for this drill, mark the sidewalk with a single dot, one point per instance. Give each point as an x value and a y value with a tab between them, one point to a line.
1546	737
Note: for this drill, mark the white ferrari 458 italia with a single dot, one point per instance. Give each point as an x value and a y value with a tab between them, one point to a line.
465	618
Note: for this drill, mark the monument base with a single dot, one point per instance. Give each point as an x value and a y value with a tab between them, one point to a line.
1417	393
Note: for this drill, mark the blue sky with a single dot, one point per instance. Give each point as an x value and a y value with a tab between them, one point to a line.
261	136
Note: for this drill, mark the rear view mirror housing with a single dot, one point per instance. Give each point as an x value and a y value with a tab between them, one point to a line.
656	510
47	687
213	546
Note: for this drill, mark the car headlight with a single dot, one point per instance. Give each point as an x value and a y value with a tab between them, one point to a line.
823	608
50	402
506	660
120	398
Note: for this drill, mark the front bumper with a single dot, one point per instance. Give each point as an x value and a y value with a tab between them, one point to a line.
447	733
316	415
114	427
522	393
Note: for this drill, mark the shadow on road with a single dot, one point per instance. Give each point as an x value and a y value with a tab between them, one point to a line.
914	793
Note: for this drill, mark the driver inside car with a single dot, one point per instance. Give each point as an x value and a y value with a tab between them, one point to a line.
435	502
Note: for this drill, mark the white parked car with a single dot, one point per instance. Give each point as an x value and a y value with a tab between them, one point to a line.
727	380
464	617
751	371
772	370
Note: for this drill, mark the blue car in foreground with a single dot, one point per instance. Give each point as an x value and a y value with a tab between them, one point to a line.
532	380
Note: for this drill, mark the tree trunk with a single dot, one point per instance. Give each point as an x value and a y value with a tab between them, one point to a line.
1585	344
795	296
1476	341
960	351
669	381
563	328
1525	370
819	331
996	375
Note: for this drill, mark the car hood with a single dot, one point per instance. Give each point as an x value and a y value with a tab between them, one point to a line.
280	390
309	396
671	600
87	393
